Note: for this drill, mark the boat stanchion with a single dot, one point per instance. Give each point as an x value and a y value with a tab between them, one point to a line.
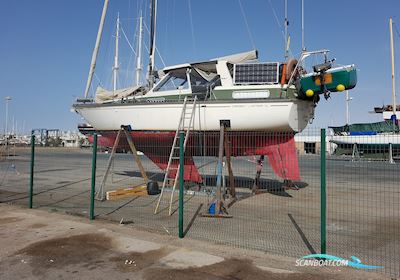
32	170
259	167
216	208
93	185
391	160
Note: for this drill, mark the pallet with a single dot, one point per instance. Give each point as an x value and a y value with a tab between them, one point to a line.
128	192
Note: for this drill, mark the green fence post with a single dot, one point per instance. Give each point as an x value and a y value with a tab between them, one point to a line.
32	170
323	191
181	182
93	188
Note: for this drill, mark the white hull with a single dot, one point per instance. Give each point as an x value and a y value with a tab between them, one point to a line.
388	114
367	139
285	115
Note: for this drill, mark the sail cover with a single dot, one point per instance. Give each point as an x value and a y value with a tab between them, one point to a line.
103	95
239	57
378	127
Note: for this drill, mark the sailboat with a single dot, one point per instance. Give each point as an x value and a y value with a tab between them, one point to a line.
374	138
252	99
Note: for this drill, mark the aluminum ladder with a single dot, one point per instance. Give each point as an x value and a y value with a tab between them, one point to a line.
186	123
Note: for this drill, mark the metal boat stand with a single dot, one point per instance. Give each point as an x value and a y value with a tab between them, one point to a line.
223	200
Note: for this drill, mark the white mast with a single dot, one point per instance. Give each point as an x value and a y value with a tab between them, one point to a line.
116	64
303	48
286	31
13	126
96	48
8	99
392	57
348	99
139	52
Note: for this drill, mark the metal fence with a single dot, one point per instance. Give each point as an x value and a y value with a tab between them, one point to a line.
278	205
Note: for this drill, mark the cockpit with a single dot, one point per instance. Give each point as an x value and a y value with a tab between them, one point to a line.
187	80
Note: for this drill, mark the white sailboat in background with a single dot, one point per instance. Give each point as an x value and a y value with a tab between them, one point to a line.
381	137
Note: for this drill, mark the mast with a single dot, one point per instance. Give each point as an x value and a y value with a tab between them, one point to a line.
393	77
153	16
286	31
116	64
303	48
8	99
348	99
96	48
139	52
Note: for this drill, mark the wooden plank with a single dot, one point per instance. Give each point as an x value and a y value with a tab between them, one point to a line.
128	192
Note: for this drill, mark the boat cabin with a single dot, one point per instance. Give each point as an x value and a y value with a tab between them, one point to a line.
178	81
211	79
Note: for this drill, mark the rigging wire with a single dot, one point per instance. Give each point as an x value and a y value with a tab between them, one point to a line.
395	29
247	24
127	40
132	47
280	26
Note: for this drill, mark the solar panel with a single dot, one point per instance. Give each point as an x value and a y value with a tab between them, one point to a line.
256	73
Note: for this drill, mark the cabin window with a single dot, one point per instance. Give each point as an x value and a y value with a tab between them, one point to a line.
197	82
176	80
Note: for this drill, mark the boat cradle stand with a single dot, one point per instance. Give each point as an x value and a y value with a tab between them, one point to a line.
140	190
225	197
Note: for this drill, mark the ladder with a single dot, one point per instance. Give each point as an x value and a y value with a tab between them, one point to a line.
186	123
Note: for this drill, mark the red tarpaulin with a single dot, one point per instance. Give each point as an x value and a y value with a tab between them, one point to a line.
279	147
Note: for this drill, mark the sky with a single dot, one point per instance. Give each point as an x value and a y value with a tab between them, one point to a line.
46	48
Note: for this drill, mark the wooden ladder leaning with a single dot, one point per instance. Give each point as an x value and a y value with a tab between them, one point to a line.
186	124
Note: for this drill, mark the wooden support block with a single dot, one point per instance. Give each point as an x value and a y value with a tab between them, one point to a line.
216	215
128	192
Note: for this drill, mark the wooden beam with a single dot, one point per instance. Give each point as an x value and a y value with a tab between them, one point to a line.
135	155
227	145
100	192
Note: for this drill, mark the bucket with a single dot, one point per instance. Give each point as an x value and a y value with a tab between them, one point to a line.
152	188
211	208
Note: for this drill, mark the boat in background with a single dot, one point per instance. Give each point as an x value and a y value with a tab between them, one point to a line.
380	139
373	138
387	111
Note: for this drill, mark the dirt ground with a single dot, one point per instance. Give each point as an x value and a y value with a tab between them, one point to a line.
37	244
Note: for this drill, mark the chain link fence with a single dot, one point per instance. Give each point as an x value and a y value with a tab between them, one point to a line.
270	191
